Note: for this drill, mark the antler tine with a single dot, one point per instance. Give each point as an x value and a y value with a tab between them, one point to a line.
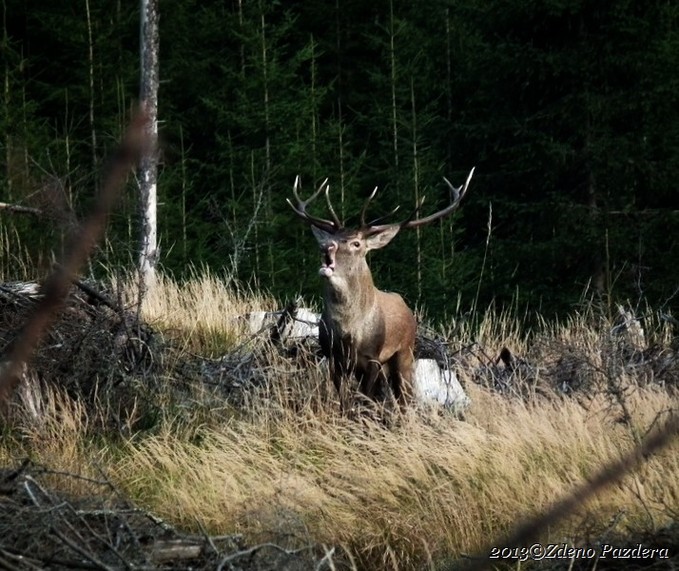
295	190
364	210
300	208
377	228
387	215
415	211
457	194
330	208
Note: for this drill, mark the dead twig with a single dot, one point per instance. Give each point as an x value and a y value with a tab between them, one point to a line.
18	209
72	475
95	535
75	547
207	537
252	550
20	560
94	294
327	559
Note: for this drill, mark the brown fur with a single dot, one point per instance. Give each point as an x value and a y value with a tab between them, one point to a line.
364	331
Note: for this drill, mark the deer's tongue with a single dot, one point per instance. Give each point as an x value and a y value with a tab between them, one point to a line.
328	265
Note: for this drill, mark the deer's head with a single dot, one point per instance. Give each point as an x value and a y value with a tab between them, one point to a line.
344	251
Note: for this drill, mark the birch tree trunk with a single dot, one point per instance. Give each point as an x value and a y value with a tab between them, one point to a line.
148	170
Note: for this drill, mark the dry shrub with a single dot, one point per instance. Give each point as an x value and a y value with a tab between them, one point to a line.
584	355
97	351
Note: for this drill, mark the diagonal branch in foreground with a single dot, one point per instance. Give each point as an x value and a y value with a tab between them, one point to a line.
611	473
55	288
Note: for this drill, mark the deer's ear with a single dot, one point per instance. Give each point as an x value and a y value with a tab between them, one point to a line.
381	239
322	236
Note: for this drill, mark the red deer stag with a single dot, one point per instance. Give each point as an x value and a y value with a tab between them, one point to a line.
363	330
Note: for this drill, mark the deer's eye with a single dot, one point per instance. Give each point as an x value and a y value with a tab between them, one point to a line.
356	244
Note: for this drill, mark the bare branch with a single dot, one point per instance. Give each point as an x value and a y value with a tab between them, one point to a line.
75	547
18	209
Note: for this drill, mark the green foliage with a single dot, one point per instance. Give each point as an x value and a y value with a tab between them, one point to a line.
568	109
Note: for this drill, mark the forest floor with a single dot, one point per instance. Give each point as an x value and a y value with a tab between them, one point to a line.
168	436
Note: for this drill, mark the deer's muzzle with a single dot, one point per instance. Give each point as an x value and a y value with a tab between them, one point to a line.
328	261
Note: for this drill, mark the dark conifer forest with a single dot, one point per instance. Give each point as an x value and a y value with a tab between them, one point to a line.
568	109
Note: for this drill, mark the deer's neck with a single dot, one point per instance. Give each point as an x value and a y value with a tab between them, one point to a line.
350	299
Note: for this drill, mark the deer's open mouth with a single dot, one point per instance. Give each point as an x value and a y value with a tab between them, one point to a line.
328	264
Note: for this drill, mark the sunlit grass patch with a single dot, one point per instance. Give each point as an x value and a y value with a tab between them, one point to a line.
416	490
204	313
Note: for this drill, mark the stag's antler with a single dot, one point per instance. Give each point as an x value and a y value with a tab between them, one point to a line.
372	227
364	211
412	221
331	226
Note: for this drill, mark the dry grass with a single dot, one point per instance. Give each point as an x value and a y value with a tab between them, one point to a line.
441	487
202	312
413	495
61	442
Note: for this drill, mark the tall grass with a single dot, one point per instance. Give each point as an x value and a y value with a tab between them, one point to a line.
422	489
415	494
204	312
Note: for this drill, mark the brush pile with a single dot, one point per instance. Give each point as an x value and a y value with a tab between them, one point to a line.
97	351
582	360
44	529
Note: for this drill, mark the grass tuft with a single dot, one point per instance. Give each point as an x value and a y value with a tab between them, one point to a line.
204	313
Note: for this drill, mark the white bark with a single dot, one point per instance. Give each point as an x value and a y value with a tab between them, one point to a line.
148	170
